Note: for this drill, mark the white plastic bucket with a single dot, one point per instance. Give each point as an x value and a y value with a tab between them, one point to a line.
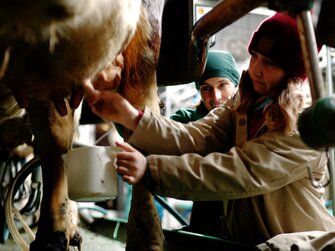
91	173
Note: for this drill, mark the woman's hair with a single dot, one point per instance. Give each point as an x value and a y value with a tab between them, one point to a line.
248	96
282	113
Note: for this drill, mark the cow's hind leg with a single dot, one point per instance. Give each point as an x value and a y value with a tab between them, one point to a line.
53	136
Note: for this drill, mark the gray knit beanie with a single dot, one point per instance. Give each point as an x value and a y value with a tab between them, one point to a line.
220	64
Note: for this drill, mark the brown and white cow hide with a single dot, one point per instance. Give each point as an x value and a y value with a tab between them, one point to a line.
48	48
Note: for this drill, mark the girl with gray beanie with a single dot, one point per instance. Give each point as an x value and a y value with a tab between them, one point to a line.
217	83
248	153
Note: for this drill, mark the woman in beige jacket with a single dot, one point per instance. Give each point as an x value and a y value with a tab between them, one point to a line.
247	153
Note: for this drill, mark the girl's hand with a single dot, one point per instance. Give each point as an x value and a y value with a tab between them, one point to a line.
101	95
131	164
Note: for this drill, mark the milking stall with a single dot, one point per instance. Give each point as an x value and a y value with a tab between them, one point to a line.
93	156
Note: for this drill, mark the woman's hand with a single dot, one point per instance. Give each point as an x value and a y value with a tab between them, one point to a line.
131	164
111	106
103	99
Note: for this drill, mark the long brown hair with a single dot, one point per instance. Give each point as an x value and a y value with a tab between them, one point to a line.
282	113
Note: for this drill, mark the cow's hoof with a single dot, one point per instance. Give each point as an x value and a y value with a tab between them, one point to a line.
56	242
76	240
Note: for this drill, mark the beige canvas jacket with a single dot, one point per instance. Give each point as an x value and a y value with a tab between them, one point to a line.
263	182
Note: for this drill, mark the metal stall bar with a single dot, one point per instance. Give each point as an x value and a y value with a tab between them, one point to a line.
331	152
310	53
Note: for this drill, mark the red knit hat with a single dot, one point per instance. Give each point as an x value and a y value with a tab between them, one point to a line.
277	38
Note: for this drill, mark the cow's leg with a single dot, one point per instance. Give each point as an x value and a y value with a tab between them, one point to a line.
144	228
144	231
53	136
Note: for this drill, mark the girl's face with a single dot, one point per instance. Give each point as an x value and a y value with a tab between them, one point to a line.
215	91
267	77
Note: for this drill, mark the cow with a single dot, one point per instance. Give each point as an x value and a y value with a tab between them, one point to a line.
48	49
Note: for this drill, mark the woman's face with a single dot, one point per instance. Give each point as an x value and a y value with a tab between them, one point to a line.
215	91
267	77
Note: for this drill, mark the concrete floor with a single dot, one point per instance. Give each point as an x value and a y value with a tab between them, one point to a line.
101	237
91	241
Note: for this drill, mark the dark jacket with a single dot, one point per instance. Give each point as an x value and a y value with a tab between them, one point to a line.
186	115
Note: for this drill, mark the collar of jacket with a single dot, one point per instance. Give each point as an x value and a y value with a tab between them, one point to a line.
201	111
263	104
